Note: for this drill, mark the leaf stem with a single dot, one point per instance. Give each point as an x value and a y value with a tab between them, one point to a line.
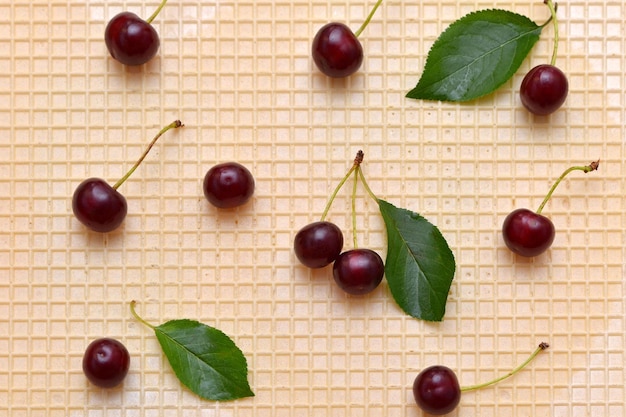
156	12
553	6
357	161
173	125
587	168
366	185
542	346
367	20
132	310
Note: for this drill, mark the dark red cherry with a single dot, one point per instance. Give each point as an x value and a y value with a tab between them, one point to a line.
527	233
106	362
228	185
98	205
130	39
544	89
318	244
436	390
336	50
358	271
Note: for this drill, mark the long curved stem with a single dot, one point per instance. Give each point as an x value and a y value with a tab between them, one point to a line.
553	6
156	12
173	125
132	310
367	20
357	161
334	194
542	346
587	168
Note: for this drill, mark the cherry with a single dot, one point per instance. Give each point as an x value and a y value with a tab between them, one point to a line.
358	271
336	50
228	185
318	244
544	89
106	362
436	389
132	40
529	233
98	205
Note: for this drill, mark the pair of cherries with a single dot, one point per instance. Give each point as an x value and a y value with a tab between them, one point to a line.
102	208
356	271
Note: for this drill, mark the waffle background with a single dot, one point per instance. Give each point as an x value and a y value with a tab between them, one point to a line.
240	76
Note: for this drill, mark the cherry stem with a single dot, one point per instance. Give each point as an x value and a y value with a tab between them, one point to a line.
156	12
132	310
367	20
357	161
358	174
553	6
356	181
173	125
542	346
587	168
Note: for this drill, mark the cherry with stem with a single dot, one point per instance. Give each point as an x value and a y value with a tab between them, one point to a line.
529	233
318	244
437	391
545	87
132	40
336	50
100	206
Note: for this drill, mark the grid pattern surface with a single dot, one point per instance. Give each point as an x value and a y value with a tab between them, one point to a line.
240	76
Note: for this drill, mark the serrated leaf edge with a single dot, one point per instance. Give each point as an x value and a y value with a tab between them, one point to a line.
446	30
406	246
157	329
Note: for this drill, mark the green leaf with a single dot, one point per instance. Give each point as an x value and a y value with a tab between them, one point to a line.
204	359
419	266
475	55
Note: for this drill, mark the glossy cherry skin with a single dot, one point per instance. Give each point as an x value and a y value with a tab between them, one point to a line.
318	244
436	390
527	233
336	50
130	39
544	89
99	206
106	362
228	185
358	271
